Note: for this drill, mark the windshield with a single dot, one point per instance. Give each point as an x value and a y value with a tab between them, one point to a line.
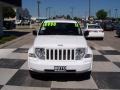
94	27
60	29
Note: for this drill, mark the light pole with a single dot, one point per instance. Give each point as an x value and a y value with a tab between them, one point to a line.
109	12
49	8
38	3
89	8
116	13
72	11
47	12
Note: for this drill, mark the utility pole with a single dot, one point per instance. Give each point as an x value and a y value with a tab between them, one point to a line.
49	8
47	12
89	8
116	13
86	15
109	12
72	11
54	13
38	3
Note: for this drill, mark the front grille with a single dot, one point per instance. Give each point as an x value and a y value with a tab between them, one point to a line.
60	54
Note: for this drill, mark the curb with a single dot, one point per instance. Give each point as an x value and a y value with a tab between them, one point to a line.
13	41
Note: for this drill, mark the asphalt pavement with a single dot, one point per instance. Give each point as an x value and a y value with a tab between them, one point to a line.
14	74
110	39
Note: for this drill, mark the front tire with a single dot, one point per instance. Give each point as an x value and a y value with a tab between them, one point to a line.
88	75
101	38
32	74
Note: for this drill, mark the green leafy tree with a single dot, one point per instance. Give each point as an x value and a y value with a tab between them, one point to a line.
26	14
101	14
68	17
75	18
8	12
54	17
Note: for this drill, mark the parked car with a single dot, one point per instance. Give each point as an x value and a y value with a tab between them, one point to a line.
107	26
9	25
117	29
95	31
18	22
60	47
25	22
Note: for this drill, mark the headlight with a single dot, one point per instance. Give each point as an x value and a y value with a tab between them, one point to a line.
80	52
40	52
32	55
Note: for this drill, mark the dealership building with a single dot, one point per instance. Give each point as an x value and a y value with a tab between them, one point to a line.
8	3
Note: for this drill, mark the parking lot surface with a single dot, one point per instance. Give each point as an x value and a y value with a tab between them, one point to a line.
110	39
14	74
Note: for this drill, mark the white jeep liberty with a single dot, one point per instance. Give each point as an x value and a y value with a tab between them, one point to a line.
60	47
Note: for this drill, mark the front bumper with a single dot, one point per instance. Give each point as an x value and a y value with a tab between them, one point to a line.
75	66
72	66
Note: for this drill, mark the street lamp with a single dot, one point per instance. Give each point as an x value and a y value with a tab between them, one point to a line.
109	12
116	13
72	11
47	12
38	3
89	8
49	8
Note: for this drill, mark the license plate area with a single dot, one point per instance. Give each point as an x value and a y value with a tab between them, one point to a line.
96	31
59	68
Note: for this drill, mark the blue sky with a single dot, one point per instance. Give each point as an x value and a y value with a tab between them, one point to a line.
62	7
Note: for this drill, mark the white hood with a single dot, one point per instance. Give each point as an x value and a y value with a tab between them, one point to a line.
50	41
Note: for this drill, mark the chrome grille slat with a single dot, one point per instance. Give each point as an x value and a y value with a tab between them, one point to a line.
45	53
57	54
62	54
74	53
53	54
68	56
66	53
49	54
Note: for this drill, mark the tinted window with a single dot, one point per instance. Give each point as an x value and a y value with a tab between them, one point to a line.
60	29
94	27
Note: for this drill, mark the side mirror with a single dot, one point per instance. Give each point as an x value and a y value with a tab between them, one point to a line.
35	32
86	33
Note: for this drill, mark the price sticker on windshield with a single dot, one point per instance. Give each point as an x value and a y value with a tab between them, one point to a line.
47	24
76	25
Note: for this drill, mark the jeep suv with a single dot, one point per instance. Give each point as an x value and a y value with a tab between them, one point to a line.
60	47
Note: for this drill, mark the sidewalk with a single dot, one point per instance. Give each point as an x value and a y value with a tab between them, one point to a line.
25	39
